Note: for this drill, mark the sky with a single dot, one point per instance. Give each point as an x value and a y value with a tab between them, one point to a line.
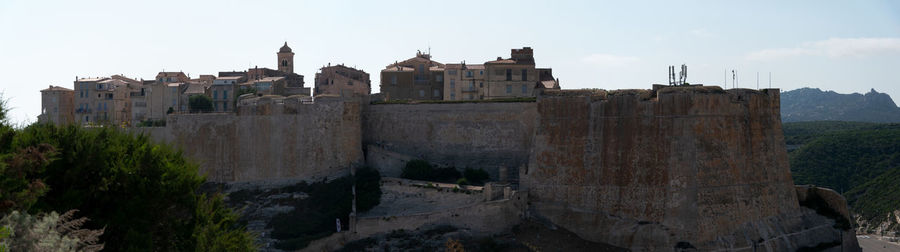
845	46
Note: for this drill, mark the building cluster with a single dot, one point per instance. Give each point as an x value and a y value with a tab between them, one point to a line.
121	100
421	78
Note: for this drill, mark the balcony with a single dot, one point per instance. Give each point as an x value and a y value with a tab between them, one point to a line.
83	111
469	89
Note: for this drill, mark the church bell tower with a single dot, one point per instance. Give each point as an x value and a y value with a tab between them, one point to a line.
286	59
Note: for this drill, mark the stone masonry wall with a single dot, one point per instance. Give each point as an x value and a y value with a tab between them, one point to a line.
647	173
270	140
476	135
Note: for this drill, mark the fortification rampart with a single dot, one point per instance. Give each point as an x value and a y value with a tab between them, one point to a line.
270	139
675	168
475	135
650	171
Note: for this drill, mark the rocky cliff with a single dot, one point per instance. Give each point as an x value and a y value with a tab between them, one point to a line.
813	104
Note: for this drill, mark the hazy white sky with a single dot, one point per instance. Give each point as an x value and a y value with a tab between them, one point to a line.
846	46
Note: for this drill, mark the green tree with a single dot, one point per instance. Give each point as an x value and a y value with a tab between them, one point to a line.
200	103
417	169
143	193
215	227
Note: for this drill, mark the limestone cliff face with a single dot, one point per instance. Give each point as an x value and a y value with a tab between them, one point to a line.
694	167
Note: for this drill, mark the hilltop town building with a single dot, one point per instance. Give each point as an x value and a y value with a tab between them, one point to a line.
342	81
420	78
187	91
224	91
417	78
515	76
102	100
139	100
464	82
57	105
289	84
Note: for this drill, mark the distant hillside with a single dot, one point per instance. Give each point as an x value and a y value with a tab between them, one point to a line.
860	160
813	104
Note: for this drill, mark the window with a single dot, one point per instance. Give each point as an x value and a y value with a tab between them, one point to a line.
421	93
393	80
452	84
421	68
437	93
224	94
283	62
452	96
524	89
439	77
215	94
481	84
452	72
524	74
509	74
509	89
224	106
481	72
349	83
468	73
217	106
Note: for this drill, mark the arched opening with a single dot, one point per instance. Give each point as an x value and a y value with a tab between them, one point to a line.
284	62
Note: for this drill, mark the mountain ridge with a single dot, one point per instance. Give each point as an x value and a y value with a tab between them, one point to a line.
814	104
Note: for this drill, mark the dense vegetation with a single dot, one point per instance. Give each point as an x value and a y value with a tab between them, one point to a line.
422	170
142	194
860	160
813	104
200	103
517	99
314	217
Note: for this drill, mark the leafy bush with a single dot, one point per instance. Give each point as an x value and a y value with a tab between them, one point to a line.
422	170
417	169
143	193
152	123
497	100
476	177
51	232
200	103
462	181
217	227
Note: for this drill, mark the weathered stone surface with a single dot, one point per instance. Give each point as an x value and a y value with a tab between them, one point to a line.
310	141
688	166
475	135
694	167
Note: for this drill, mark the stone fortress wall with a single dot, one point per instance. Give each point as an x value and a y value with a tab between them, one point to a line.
675	168
270	139
474	135
645	170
